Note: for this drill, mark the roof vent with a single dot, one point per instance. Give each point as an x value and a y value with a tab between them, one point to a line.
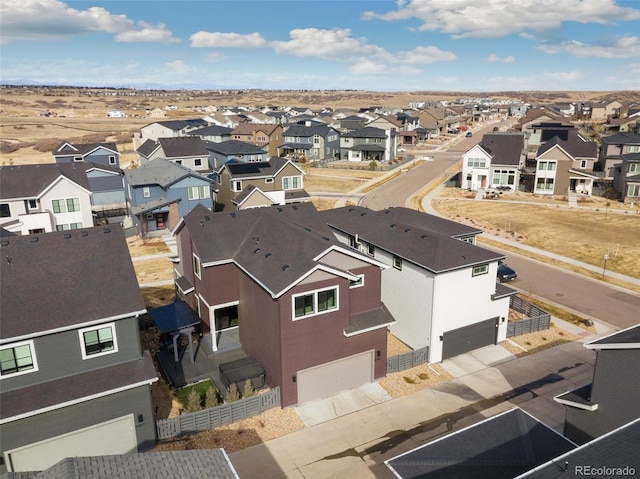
84	234
362	214
256	251
207	217
350	210
279	209
387	212
285	267
423	236
34	239
67	235
325	238
295	207
406	230
393	225
4	243
106	230
8	259
266	255
233	215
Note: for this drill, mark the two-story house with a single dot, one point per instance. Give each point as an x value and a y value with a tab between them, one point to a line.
188	151
167	129
566	166
220	153
46	197
73	378
613	147
306	307
160	192
439	286
242	185
266	136
611	399
369	144
495	162
103	154
213	133
310	143
626	178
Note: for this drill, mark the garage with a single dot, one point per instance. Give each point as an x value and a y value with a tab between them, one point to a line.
117	436
334	377
462	340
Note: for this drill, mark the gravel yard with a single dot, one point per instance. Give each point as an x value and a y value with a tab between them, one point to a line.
533	342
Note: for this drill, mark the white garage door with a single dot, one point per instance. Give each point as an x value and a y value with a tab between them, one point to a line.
334	377
117	436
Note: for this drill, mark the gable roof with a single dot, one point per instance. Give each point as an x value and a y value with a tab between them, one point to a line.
307	131
29	181
420	238
504	148
245	128
162	172
499	447
211	463
256	169
622	139
574	145
147	148
177	125
75	277
234	147
182	146
213	130
366	132
82	149
626	339
252	240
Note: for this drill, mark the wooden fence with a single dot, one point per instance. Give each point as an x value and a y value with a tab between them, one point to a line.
211	418
536	320
407	360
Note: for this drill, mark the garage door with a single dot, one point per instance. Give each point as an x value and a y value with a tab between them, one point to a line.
117	436
468	338
334	377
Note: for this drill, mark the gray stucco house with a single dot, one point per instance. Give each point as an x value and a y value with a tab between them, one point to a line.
161	192
74	379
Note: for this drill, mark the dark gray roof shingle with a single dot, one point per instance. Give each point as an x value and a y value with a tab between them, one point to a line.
161	172
504	148
29	181
234	147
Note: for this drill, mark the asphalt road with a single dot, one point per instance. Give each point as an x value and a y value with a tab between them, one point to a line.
597	300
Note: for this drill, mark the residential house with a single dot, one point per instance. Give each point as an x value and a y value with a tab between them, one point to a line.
104	154
310	143
43	198
368	144
256	184
188	151
566	166
74	380
495	162
308	309
628	124
387	122
611	399
538	116
213	133
267	137
605	109
430	263
160	192
169	129
220	153
626	178
539	133
350	123
613	147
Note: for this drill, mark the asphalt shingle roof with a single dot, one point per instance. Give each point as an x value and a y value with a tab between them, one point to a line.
183	146
82	148
160	172
240	169
505	148
234	147
307	131
29	181
366	132
574	145
74	277
629	337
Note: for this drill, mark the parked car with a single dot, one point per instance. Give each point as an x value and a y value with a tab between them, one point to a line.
505	273
469	133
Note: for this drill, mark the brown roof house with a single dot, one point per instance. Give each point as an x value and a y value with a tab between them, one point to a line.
267	137
74	379
307	308
241	185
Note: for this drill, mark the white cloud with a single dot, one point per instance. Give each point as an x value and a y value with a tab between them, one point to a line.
564	76
178	66
625	47
499	18
53	19
368	67
215	57
527	36
425	56
149	33
493	58
227	40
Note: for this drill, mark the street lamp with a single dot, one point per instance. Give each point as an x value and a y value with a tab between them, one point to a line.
604	268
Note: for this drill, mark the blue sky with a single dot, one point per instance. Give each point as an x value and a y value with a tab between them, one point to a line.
380	45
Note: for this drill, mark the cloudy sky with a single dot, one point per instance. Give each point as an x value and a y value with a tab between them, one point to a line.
403	45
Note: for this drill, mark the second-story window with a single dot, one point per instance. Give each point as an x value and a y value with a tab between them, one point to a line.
315	302
291	182
146	191
236	186
18	358
97	341
68	205
196	266
5	210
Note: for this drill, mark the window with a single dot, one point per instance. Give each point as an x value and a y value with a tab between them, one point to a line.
633	190
5	211
547	165
73	204
316	302
316	139
634	167
178	162
33	204
371	250
18	359
146	191
397	263
504	177
196	266
236	186
545	184
197	162
268	180
291	182
633	149
478	270
198	192
77	158
59	206
98	341
583	164
477	162
112	160
357	283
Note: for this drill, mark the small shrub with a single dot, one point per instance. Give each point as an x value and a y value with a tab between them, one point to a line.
234	394
248	391
211	398
194	401
423	376
373	165
409	380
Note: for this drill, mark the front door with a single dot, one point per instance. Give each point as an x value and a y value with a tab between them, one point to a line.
161	220
483	181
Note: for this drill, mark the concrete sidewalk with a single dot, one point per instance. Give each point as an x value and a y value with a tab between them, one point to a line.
487	381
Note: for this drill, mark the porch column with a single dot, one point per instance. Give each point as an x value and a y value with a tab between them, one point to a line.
175	346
